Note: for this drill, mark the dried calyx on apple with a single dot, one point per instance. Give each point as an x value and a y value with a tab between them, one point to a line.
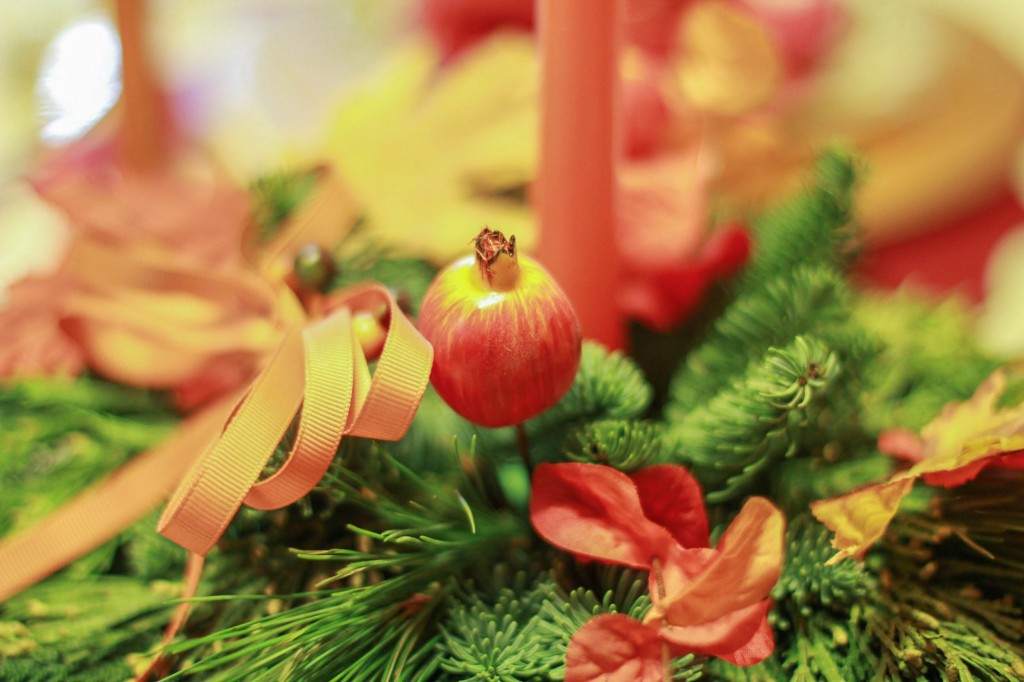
506	339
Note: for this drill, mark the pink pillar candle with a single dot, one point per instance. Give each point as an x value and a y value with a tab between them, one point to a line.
580	146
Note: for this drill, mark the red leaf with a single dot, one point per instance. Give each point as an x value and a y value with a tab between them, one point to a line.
736	636
594	512
760	647
746	566
672	498
614	648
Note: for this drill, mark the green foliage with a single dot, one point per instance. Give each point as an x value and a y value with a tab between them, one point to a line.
813	227
812	299
360	260
798	481
733	439
627	445
276	196
563	614
381	586
495	638
929	358
80	629
415	561
608	386
369	632
59	436
807	585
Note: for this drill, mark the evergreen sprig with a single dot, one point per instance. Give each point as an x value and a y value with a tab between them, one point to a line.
815	226
928	358
812	299
807	585
627	445
608	385
761	418
274	198
495	638
81	629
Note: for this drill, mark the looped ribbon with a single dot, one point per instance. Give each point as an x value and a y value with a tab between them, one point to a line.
321	371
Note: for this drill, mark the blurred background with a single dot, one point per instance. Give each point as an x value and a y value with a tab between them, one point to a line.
428	109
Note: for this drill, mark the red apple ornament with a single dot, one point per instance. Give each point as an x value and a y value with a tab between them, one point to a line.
506	339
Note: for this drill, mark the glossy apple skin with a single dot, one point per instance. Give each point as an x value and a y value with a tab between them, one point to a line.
500	356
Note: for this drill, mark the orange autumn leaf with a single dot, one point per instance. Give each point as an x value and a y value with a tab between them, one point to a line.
145	317
952	450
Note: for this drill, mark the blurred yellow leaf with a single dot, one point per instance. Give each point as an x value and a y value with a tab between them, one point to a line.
428	152
730	64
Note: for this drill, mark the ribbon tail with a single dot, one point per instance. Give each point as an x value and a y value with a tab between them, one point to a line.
107	508
193	572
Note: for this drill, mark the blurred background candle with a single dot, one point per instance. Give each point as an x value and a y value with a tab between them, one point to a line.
576	190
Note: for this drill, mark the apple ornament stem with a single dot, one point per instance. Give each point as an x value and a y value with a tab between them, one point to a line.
506	339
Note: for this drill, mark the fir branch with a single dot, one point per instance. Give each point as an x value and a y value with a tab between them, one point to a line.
608	385
808	586
730	442
360	260
494	637
623	444
941	615
80	629
813	227
812	299
928	358
391	580
798	481
275	197
371	632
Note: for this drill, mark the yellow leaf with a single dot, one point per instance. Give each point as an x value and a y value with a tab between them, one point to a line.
964	439
860	518
730	64
427	152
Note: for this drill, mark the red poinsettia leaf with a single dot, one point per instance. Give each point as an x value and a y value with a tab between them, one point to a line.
614	648
760	647
672	498
727	636
594	512
726	251
677	567
746	566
